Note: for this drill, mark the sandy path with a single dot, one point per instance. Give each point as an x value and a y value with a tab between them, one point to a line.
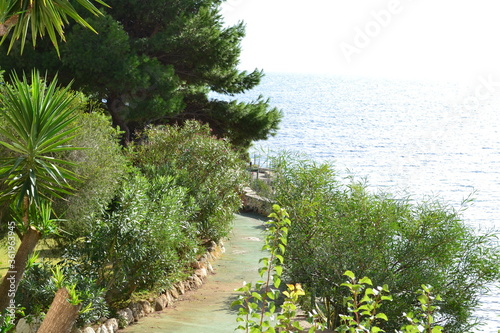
207	309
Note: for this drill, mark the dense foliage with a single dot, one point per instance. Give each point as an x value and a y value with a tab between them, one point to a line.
340	227
35	122
208	167
136	229
152	63
101	166
37	290
155	62
143	241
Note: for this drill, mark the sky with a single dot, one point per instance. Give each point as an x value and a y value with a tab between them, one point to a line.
443	39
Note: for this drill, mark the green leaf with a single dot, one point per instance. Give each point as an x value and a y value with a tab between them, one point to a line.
366	280
257	296
237	302
350	275
38	18
423	299
277	281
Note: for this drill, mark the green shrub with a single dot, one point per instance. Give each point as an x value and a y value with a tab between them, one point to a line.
364	302
395	241
144	242
201	163
37	290
102	166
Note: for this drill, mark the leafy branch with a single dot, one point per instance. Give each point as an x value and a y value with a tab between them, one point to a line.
257	304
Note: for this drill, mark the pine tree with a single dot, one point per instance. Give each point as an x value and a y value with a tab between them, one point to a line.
156	61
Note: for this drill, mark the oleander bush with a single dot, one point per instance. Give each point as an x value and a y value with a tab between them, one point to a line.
207	167
340	225
145	241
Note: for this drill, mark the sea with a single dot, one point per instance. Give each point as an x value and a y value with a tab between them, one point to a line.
438	139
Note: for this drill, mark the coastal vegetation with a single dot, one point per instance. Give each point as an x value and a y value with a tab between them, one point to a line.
133	175
264	307
339	225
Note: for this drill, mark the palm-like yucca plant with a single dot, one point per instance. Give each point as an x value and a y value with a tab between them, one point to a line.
36	125
35	122
41	17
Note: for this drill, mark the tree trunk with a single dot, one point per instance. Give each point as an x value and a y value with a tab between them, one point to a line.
115	108
61	315
11	280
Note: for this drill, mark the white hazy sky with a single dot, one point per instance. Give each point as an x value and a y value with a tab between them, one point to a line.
444	39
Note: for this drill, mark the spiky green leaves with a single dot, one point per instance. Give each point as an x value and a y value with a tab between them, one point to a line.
40	17
35	126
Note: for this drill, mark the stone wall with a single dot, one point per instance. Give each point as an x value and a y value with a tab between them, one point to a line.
255	203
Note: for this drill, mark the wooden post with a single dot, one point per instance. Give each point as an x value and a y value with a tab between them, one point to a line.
61	316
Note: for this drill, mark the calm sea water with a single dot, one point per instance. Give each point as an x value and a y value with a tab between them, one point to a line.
423	138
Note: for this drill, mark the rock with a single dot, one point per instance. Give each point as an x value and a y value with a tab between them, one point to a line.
160	302
174	292
170	299
180	288
112	325
203	259
196	264
102	329
126	314
212	247
137	310
28	325
146	306
210	269
201	273
197	282
88	330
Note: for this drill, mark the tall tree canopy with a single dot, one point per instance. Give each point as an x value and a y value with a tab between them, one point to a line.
156	61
